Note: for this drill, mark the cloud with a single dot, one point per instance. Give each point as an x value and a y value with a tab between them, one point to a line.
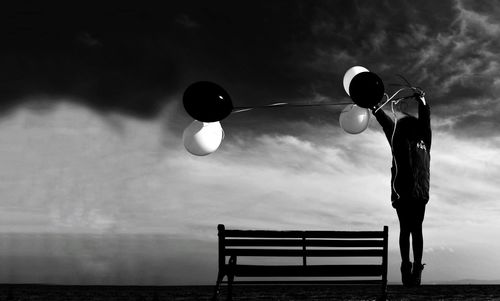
70	172
379	40
90	178
86	39
474	22
187	21
129	77
449	49
106	58
452	50
451	56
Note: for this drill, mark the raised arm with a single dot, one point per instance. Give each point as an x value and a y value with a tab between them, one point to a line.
385	121
424	118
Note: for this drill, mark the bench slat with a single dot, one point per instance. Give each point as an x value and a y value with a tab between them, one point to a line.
305	271
235	242
307	253
301	234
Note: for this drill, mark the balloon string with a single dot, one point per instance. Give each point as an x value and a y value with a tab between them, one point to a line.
392	150
285	104
392	97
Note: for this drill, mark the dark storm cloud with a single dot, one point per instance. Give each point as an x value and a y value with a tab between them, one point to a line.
109	59
129	59
462	67
186	21
386	37
449	48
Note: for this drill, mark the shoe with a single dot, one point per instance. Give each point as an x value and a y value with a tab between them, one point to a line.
417	273
406	276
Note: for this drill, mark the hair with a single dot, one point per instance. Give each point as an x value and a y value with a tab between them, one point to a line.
408	127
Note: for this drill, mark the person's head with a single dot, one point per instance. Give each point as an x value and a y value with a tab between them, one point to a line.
408	127
408	107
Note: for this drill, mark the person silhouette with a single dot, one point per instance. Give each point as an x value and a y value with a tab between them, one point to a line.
410	141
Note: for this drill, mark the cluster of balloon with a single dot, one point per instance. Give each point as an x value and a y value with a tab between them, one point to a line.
208	103
366	89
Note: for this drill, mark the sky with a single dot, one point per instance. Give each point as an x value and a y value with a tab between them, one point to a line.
97	188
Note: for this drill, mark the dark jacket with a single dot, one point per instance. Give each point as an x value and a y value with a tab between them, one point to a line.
411	147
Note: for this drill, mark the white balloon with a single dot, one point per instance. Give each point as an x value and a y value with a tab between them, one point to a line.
354	119
202	138
350	74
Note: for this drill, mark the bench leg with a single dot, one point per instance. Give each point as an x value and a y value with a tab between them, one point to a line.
383	295
230	279
220	276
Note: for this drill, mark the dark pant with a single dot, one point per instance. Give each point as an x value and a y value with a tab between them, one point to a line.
411	215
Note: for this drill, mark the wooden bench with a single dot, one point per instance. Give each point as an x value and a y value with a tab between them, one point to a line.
238	244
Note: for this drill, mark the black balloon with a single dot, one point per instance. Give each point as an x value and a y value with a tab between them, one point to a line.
207	102
366	89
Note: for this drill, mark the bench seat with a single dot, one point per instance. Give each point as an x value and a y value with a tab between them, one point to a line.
305	271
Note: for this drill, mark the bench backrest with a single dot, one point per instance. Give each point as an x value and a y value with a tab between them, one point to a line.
237	243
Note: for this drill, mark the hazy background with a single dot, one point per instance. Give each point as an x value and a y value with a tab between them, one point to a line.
97	188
